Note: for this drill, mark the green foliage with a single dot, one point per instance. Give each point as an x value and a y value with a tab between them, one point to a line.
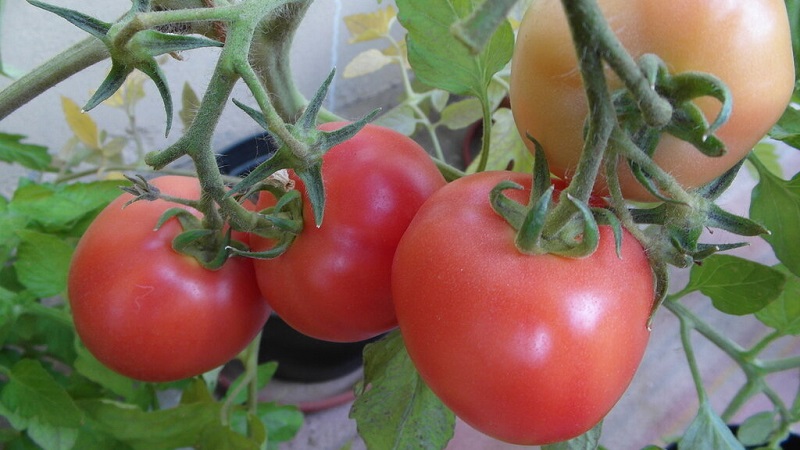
394	407
707	430
776	205
783	314
736	285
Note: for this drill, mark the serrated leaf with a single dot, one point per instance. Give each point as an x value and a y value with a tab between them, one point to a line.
736	285
33	401
369	26
62	207
707	430
366	62
81	124
395	408
506	146
190	103
32	156
441	60
783	314
42	263
776	205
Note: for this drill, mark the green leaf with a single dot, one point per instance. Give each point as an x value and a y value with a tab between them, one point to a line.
12	150
788	128
776	205
33	401
180	426
783	314
707	430
756	429
89	367
439	58
736	285
394	407
220	437
586	441
42	263
60	207
282	422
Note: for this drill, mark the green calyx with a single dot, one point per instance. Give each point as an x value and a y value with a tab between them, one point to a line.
540	229
127	55
304	153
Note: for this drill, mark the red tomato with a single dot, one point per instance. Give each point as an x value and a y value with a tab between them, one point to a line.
527	349
151	313
747	44
334	281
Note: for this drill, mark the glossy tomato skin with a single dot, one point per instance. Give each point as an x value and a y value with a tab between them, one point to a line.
747	44
334	281
527	349
153	314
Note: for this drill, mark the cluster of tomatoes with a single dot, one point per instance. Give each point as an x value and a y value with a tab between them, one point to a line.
530	349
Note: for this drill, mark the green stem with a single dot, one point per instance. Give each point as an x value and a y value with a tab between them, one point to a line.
688	348
732	349
486	140
779	365
269	57
71	61
602	116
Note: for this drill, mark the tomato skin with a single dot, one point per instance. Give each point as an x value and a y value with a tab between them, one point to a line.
747	44
334	281
527	349
150	313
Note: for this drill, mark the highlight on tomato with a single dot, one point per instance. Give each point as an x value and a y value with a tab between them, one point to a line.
528	349
149	312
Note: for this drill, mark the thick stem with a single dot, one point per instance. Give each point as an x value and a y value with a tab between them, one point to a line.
269	57
73	60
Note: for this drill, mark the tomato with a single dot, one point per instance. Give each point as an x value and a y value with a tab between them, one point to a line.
334	281
747	44
527	349
153	314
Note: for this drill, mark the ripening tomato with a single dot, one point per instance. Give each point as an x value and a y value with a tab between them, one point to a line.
747	44
527	349
334	281
149	312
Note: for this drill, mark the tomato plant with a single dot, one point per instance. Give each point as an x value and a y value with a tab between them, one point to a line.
745	44
149	312
334	281
528	349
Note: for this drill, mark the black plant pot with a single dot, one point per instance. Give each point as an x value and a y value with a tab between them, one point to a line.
300	358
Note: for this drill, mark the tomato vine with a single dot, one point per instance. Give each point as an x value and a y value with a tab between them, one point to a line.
459	59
